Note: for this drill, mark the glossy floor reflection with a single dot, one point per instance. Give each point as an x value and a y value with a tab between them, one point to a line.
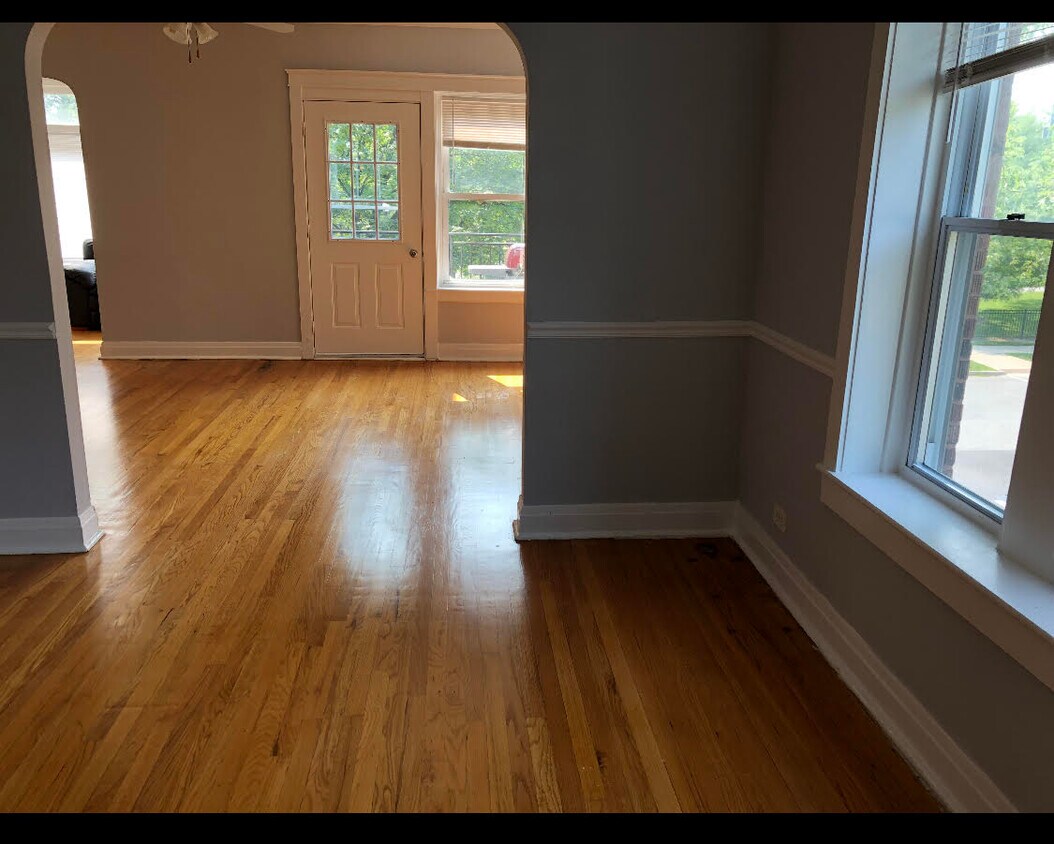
308	598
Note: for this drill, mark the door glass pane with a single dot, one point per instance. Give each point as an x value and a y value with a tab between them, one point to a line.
341	226
364	181
387	142
339	142
388	220
991	294
388	181
366	222
340	181
362	141
486	239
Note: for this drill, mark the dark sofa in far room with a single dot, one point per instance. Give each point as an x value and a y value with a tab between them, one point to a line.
82	290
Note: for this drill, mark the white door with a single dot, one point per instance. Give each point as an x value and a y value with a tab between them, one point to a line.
364	227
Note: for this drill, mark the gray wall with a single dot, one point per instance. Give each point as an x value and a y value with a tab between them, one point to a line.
35	468
644	167
656	420
996	710
644	149
188	167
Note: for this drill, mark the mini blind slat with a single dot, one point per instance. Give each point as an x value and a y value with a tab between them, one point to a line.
990	50
500	124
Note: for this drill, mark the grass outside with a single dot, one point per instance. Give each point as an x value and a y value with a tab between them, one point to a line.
1027	301
976	367
1023	355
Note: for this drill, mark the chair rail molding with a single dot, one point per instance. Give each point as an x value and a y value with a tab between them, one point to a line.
674	329
27	331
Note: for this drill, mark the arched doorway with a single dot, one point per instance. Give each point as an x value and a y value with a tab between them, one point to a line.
460	308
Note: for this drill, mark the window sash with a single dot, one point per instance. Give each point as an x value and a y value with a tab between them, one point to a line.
928	373
445	197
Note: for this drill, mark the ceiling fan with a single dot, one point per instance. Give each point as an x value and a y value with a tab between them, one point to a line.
196	34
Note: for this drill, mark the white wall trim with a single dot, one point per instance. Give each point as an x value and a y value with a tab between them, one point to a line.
162	349
953	776
27	331
481	351
50	535
657	328
824	364
584	521
954	558
52	245
820	362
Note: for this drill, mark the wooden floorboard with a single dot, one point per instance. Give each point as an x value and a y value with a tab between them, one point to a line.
308	598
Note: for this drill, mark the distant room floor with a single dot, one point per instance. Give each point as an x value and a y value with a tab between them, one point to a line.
308	598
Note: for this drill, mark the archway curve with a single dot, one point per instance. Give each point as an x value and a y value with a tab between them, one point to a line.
33	64
89	524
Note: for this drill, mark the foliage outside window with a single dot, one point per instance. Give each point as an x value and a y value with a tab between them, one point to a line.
482	202
61	110
990	276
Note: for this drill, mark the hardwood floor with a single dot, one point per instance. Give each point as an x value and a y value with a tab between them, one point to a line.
308	598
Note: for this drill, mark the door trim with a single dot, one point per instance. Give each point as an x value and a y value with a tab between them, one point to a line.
424	89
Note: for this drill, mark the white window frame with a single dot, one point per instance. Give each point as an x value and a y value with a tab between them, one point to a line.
947	225
443	215
993	574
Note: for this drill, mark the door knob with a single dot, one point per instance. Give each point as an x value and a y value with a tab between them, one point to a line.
413	253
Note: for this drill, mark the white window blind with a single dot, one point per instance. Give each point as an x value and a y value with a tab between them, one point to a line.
496	124
978	52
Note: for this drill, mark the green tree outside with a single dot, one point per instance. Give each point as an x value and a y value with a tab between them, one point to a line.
1026	186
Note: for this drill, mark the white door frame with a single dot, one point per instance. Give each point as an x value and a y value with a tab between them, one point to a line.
381	86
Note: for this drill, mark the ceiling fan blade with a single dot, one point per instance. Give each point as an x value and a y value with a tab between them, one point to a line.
178	32
284	28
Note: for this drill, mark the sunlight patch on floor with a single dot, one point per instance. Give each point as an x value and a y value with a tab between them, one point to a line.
508	380
457	397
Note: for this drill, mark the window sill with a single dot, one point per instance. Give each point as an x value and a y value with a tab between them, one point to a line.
481	295
956	559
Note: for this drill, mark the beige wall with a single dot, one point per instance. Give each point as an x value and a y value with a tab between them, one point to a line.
475	322
188	167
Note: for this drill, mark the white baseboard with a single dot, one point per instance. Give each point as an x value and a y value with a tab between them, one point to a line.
219	350
584	521
952	775
50	535
480	351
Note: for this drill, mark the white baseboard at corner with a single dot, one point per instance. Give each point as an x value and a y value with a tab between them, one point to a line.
193	350
599	521
50	535
954	777
480	351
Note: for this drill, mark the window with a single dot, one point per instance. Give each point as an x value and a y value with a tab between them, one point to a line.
482	193
67	168
363	181
993	261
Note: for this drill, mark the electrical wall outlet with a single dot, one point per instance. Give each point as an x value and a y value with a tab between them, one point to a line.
779	518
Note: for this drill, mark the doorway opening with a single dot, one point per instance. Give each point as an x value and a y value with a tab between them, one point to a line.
206	254
62	116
